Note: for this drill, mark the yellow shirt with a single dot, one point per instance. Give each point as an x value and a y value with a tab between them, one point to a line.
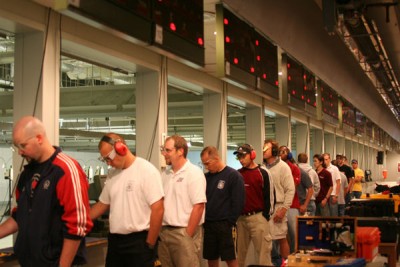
357	184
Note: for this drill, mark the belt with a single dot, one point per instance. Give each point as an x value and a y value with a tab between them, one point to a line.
172	227
250	213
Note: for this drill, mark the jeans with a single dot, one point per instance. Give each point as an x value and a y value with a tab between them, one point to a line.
291	216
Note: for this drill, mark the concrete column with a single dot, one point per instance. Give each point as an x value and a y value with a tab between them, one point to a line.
329	142
349	149
37	79
283	131
302	140
214	122
151	114
317	142
340	149
356	152
255	120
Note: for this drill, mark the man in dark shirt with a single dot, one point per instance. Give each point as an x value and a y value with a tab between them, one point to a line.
346	169
225	201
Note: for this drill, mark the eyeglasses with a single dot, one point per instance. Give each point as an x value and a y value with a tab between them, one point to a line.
207	163
22	145
163	149
266	149
110	156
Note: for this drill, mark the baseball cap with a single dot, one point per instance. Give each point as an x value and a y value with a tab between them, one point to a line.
243	149
354	161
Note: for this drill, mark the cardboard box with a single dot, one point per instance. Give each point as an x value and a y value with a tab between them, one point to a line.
368	240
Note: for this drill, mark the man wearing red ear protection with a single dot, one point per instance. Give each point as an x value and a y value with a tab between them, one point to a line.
253	225
134	195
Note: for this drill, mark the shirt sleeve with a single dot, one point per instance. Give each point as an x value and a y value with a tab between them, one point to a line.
72	192
237	196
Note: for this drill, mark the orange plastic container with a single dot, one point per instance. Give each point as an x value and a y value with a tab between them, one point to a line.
368	240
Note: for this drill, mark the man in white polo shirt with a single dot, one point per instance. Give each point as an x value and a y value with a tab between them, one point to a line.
185	197
333	202
134	195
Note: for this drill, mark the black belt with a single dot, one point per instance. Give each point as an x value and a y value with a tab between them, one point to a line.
250	213
172	226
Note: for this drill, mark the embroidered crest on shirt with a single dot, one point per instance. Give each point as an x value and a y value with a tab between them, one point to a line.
46	184
129	186
221	184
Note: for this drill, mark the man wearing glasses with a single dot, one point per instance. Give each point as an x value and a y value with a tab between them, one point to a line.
185	197
52	213
134	195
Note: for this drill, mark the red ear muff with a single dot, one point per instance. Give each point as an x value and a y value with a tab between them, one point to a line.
252	154
120	148
118	145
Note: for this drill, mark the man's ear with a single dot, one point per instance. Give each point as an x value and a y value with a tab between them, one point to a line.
39	138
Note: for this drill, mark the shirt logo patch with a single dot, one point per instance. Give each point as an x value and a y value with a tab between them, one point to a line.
46	184
221	184
129	187
179	180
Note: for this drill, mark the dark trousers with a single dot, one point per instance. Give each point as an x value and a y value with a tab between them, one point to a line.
130	250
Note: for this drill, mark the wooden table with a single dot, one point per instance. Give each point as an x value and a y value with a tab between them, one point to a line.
390	250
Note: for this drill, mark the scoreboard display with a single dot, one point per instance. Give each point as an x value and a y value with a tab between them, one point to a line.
175	26
329	100
301	82
266	60
360	122
245	55
179	28
348	113
239	44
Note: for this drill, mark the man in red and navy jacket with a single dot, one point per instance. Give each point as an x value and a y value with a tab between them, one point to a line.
52	213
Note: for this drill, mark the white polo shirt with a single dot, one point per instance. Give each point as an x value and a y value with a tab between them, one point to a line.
183	190
335	176
130	193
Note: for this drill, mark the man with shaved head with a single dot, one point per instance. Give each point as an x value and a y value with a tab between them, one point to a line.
52	212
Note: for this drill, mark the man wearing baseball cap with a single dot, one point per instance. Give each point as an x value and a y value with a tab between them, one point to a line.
358	176
253	224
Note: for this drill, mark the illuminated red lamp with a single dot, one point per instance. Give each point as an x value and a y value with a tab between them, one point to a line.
323	99
305	87
293	92
257	43
258	58
308	100
251	69
235	60
226	22
302	97
200	41
264	75
289	78
276	83
172	26
315	104
288	65
227	39
304	76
